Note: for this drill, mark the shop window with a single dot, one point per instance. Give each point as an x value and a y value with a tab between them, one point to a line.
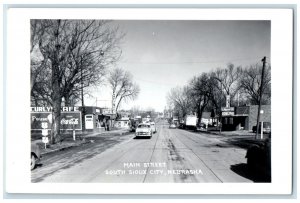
225	121
231	121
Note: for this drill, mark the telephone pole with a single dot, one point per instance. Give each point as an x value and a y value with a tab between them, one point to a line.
260	97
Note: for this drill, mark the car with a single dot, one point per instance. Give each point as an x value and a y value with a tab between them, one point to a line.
259	159
153	127
35	155
202	127
143	130
172	126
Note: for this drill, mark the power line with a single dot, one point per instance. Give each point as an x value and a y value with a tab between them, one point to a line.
190	62
154	82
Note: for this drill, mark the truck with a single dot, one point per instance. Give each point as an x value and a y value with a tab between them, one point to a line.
190	122
135	122
176	121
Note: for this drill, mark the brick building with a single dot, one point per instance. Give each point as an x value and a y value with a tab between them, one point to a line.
244	117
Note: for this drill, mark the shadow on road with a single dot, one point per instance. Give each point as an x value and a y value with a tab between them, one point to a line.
139	138
38	165
244	142
243	170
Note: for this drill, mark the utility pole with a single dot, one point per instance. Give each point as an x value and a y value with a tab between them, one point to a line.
260	97
82	97
238	98
82	101
113	102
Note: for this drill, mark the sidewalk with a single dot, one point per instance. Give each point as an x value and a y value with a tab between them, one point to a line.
240	138
236	133
68	141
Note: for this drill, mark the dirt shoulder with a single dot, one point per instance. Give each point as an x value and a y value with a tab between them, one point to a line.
68	142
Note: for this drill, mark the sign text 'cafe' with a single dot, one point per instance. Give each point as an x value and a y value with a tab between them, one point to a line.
49	109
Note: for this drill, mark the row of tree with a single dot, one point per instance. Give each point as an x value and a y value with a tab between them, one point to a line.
68	56
208	91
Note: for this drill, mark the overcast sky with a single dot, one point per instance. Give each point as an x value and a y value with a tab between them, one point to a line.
165	54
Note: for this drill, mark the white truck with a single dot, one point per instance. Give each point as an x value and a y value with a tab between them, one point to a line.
190	122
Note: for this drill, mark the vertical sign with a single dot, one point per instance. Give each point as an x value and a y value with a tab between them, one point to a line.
227	101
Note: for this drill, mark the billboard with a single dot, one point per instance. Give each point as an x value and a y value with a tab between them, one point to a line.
68	120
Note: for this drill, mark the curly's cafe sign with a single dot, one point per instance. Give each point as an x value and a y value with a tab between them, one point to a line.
41	118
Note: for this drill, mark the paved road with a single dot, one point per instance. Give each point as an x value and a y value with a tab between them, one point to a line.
171	155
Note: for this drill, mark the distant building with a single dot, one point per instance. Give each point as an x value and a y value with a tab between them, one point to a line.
123	122
206	118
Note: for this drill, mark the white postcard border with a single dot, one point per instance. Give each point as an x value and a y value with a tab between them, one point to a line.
18	101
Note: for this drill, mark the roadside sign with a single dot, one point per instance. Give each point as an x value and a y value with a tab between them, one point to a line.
44	125
45	132
227	101
227	108
229	113
45	139
68	120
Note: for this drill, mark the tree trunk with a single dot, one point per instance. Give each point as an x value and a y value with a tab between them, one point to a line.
67	100
55	131
199	114
56	94
118	104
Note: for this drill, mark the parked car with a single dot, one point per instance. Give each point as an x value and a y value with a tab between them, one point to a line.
35	155
181	126
266	128
259	159
202	127
153	127
172	126
144	130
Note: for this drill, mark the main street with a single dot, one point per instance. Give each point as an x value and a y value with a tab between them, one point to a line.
171	155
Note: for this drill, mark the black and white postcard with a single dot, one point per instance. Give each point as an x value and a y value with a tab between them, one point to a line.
149	101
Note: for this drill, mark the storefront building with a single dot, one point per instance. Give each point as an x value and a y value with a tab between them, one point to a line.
87	119
97	119
123	123
244	117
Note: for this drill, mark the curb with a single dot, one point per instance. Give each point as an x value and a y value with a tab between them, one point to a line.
64	148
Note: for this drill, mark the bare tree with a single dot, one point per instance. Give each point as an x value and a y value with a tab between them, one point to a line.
229	79
123	87
40	69
92	46
200	93
135	111
251	82
179	99
72	56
